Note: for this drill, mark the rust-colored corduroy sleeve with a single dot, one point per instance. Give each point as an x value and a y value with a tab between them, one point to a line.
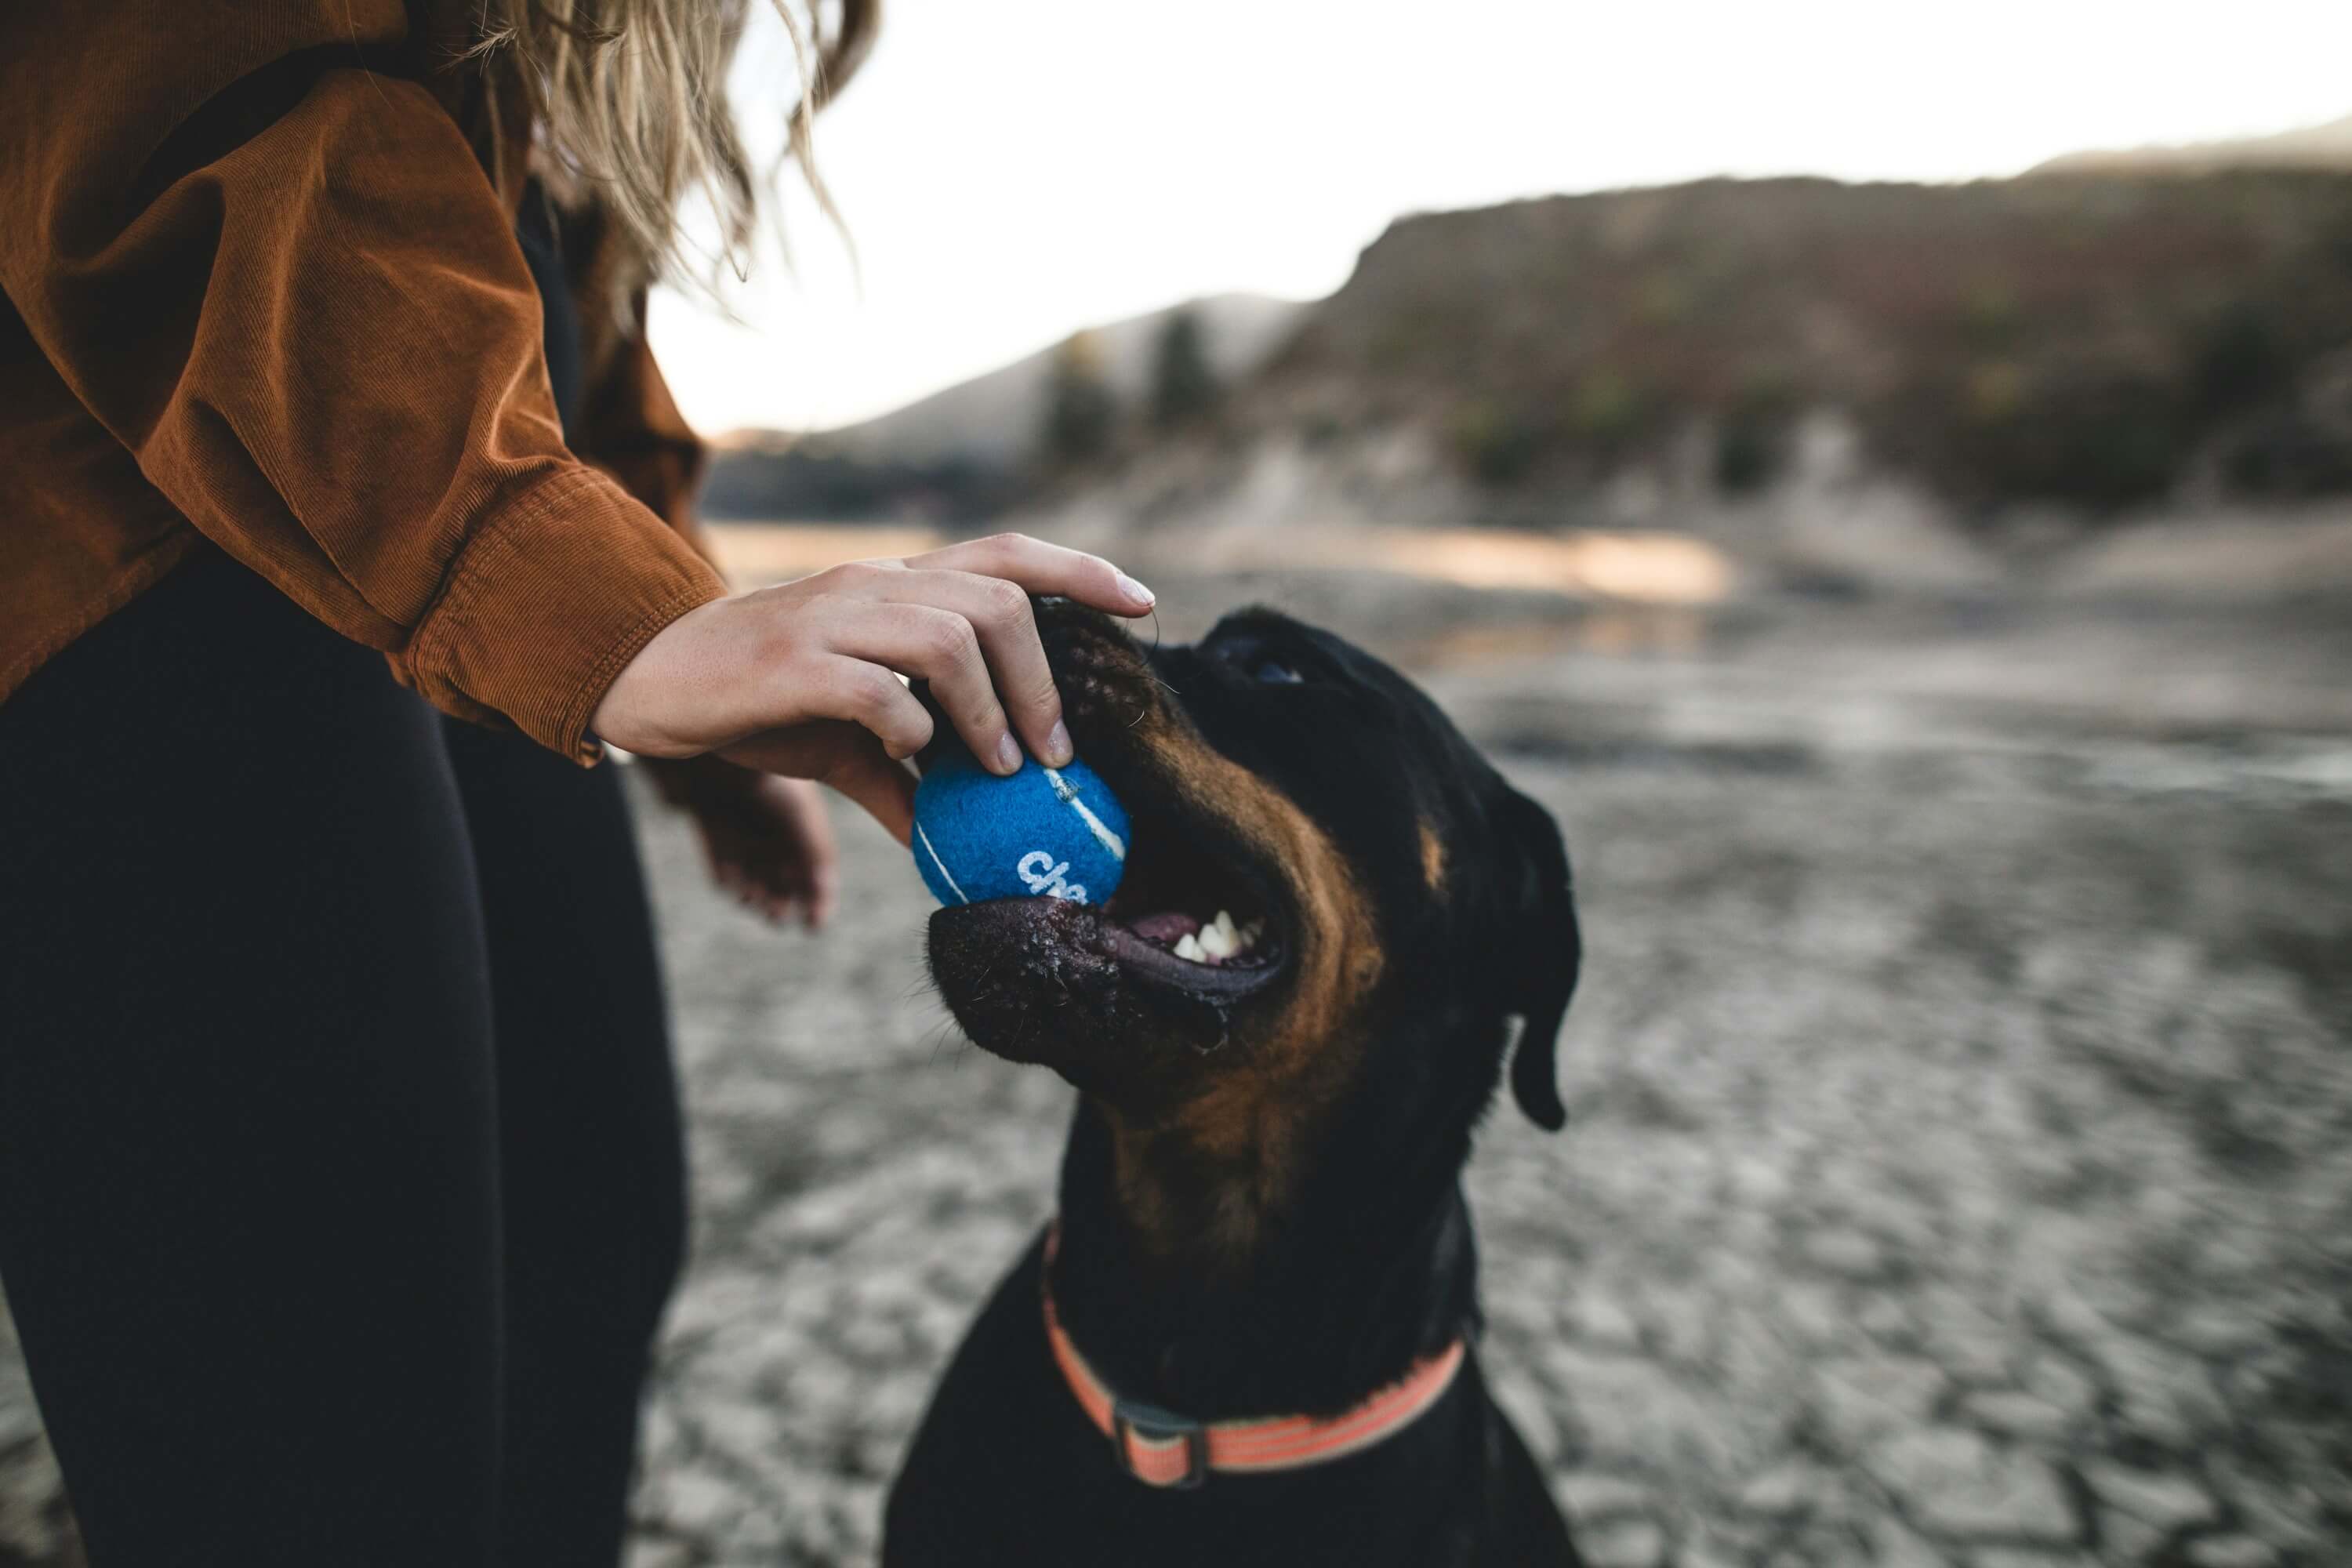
282	281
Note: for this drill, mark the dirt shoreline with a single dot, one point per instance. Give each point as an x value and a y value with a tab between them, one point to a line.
1959	1164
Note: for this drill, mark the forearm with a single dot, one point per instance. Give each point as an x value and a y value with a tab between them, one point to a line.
287	288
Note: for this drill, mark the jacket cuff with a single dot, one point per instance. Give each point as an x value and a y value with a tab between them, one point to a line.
547	603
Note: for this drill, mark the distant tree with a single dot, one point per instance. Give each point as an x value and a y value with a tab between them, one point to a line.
1081	413
1183	387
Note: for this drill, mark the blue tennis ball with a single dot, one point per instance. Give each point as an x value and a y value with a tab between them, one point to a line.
1050	832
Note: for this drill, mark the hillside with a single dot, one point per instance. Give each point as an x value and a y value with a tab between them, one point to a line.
994	418
2089	340
2326	146
965	451
2065	349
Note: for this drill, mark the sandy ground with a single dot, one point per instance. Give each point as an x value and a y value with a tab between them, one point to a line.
1959	1165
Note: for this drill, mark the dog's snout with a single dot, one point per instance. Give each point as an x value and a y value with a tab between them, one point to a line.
1065	626
1096	663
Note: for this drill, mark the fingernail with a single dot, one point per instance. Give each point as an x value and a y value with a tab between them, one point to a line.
1058	749
1136	591
1008	753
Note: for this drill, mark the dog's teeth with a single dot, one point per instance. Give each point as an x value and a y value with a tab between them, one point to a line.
1217	940
1217	937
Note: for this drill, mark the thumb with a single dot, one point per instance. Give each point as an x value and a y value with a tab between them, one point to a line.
842	756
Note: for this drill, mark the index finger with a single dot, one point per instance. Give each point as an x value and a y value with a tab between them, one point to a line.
1042	568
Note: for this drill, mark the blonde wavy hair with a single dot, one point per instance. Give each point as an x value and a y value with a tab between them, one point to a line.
629	98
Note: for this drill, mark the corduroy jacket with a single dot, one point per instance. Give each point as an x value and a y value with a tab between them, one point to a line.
262	288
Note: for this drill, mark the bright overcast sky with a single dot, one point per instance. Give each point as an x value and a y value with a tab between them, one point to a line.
1012	170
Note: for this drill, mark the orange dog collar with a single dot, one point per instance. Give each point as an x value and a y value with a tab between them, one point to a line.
1161	1448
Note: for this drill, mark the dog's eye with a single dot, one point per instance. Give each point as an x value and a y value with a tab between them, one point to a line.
1274	672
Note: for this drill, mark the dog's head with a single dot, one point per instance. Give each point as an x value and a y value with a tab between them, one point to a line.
1399	917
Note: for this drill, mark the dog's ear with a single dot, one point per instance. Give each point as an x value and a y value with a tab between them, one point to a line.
1543	951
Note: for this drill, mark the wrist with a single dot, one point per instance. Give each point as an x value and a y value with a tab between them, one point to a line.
639	702
552	599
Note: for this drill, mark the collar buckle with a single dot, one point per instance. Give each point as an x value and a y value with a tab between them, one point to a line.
1152	1425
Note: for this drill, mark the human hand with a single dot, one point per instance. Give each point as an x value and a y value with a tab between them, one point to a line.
803	679
766	839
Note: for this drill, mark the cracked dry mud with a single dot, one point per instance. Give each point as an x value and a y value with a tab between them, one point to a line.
1958	1172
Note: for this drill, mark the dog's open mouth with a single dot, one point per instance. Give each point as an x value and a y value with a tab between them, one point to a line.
1195	920
1191	912
1201	923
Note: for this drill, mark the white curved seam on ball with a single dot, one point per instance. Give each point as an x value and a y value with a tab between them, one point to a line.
1103	835
961	897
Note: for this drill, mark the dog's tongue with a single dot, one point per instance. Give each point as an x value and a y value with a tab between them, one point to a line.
1169	929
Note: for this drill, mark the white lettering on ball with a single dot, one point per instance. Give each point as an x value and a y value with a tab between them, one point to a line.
1039	874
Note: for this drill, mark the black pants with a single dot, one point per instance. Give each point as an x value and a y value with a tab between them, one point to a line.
340	1173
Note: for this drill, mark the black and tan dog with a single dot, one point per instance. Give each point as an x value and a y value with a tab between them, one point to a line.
1337	922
